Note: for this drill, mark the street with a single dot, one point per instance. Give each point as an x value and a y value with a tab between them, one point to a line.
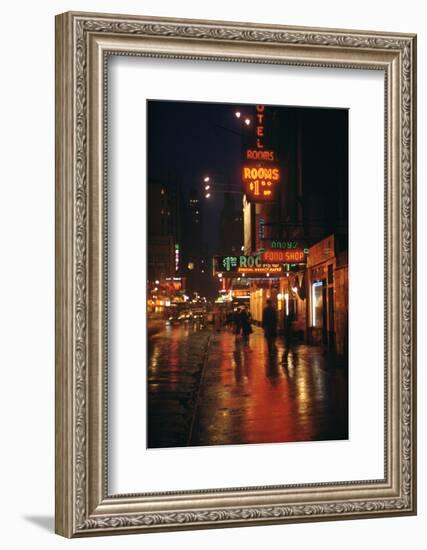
210	388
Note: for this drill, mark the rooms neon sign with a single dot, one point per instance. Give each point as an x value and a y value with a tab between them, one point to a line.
260	182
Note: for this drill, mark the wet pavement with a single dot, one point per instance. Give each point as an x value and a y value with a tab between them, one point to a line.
208	388
176	355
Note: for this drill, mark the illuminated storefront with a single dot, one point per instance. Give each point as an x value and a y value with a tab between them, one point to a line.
327	285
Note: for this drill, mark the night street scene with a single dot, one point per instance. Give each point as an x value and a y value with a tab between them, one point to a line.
247	274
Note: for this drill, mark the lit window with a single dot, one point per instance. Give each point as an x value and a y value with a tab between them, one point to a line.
317	304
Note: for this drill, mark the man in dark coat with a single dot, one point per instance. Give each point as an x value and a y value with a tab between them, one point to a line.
269	324
245	323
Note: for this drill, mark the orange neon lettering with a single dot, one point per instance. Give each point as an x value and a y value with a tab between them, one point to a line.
269	174
253	154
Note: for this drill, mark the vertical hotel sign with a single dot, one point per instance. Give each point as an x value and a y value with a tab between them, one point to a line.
261	174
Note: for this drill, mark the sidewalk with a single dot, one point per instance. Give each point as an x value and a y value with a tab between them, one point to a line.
247	396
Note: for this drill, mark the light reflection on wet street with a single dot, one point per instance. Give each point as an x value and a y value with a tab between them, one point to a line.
175	360
211	389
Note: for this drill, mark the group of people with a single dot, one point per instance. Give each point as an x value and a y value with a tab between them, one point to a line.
240	322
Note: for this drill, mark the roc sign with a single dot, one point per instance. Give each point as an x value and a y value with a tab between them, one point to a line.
260	182
235	266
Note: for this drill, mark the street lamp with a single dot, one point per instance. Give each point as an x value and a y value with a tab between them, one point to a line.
218	187
246	119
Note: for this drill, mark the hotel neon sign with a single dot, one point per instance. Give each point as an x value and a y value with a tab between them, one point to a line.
260	181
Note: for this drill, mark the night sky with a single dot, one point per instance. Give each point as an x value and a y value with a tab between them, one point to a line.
188	140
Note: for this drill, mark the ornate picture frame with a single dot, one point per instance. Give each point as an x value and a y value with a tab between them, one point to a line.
83	44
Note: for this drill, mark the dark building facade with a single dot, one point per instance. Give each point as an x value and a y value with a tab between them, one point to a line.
164	229
310	213
230	226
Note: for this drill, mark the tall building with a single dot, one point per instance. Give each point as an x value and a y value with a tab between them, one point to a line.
196	258
164	228
230	227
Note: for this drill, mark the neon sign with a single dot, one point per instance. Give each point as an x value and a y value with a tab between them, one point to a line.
240	293
260	181
277	256
253	173
265	269
254	154
236	266
260	126
177	257
284	244
229	263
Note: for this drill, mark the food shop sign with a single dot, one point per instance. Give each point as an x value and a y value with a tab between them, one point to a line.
280	256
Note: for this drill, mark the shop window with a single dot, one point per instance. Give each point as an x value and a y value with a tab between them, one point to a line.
317	304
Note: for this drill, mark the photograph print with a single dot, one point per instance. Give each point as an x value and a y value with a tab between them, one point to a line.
247	274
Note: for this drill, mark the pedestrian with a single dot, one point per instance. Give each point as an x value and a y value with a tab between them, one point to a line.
269	324
245	323
236	321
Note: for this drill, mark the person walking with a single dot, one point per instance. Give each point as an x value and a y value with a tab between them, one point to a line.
236	322
269	324
245	323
